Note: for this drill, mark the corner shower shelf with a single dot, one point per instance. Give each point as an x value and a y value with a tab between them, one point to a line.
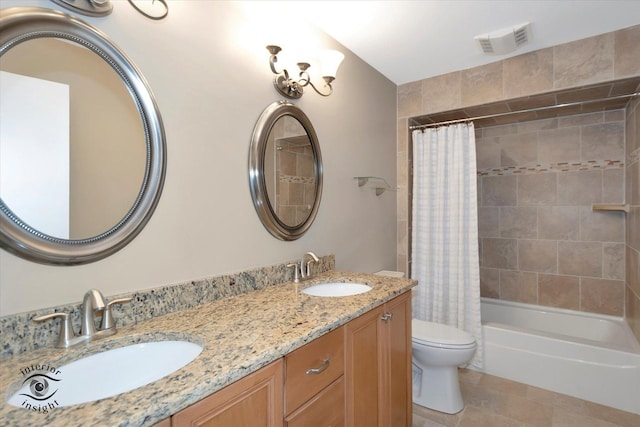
618	207
379	184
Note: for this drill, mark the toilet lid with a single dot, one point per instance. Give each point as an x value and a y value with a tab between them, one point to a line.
439	334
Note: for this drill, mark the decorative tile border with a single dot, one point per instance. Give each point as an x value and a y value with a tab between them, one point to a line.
297	179
19	333
553	167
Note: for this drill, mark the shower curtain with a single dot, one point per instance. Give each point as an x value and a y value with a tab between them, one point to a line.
445	258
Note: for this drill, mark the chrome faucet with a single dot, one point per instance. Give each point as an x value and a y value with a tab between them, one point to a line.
92	302
302	270
305	266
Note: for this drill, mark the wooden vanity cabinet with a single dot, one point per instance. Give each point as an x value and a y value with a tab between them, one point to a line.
358	375
378	366
253	401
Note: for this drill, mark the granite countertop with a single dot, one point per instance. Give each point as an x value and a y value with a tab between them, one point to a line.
239	335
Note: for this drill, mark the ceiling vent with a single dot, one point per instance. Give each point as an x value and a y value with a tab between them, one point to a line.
504	41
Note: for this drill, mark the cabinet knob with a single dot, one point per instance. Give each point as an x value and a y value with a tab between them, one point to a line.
386	317
322	368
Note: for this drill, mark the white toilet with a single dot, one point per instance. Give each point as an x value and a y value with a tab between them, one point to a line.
438	350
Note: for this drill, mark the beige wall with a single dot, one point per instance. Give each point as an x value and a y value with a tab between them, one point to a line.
208	68
633	218
603	58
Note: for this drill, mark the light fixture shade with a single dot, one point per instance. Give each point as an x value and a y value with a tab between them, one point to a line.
329	62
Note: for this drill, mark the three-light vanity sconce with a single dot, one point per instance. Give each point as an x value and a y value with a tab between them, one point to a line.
328	63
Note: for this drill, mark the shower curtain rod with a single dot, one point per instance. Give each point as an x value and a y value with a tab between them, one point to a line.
529	110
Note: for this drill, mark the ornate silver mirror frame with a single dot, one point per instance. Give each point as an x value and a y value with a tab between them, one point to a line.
257	180
20	24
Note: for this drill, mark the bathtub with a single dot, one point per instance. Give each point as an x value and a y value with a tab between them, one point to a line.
589	356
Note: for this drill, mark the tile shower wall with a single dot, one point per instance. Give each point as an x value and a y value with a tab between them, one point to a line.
540	241
632	189
296	183
294	171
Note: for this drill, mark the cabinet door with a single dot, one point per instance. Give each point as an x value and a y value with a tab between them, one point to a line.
398	353
378	366
253	401
362	370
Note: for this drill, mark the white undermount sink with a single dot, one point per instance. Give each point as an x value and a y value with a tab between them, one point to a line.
105	374
336	289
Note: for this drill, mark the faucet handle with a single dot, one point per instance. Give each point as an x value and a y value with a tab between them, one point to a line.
66	330
308	267
305	269
119	301
296	271
108	323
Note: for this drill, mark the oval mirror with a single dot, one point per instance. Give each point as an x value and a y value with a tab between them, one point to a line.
285	170
82	146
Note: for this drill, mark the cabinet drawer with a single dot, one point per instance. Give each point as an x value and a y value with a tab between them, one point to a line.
311	368
324	410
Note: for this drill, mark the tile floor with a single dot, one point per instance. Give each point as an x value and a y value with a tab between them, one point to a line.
495	402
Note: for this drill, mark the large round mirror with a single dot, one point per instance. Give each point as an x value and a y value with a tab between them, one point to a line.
82	147
285	170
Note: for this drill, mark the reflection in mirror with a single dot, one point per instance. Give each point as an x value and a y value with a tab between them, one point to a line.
290	176
80	170
285	170
81	140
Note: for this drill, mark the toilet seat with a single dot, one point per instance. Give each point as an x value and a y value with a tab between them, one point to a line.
438	335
